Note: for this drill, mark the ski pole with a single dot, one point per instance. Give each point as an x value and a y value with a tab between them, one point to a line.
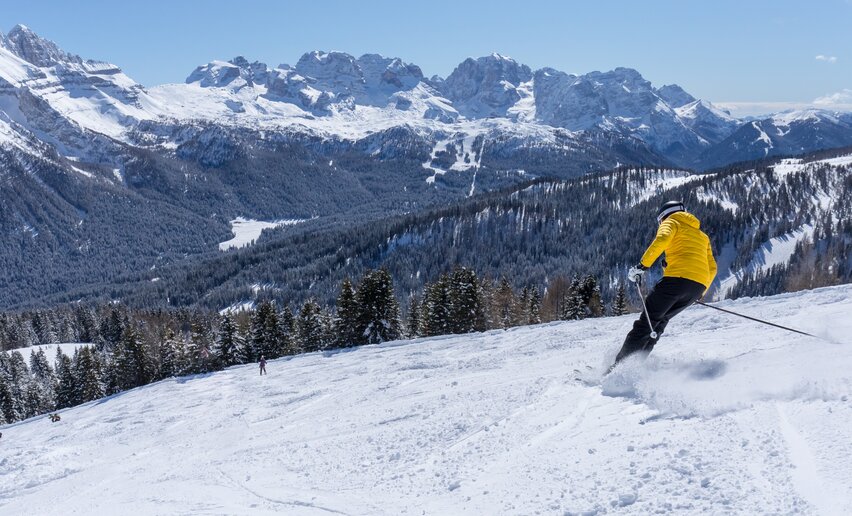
645	308
755	319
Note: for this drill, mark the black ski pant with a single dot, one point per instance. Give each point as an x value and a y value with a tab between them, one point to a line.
669	297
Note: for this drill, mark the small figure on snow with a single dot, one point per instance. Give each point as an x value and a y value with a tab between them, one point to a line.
686	277
262	365
55	417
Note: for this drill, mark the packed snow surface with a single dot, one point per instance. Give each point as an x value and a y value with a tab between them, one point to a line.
246	231
726	417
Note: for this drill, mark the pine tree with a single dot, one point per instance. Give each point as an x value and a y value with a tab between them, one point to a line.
247	352
435	318
66	386
619	304
573	307
327	333
378	309
8	412
44	378
413	317
43	327
309	327
486	289
466	308
88	375
198	352
111	331
591	297
131	365
14	334
19	381
504	305
346	322
33	402
244	351
169	360
86	324
66	328
265	333
523	307
120	369
273	338
182	362
40	367
534	310
228	345
287	331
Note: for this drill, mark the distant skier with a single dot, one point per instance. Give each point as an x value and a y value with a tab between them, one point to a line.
687	275
262	365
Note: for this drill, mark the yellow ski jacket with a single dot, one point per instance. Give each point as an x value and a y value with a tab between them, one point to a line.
687	249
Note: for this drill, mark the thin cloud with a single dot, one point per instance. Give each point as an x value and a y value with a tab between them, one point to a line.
841	98
827	59
742	109
838	101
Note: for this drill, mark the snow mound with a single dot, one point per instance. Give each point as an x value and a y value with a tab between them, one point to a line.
726	416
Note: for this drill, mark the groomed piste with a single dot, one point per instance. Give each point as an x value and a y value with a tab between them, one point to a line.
726	416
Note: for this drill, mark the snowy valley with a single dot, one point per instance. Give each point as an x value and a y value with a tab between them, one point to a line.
726	417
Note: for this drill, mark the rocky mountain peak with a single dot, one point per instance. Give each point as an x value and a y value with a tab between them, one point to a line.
389	72
331	69
674	95
30	47
486	86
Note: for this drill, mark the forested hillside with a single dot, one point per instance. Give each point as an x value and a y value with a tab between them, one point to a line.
598	225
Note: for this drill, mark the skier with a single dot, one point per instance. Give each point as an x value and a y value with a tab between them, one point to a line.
262	365
687	275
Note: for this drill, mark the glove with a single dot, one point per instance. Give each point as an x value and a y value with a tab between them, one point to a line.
635	273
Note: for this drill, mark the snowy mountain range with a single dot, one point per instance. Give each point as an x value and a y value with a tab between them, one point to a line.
88	153
57	97
726	416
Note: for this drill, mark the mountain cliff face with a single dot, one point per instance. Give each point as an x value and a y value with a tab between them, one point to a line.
486	87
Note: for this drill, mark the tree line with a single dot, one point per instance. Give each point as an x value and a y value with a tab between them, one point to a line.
127	348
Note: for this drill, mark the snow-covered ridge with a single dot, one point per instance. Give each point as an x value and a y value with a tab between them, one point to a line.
726	416
336	94
66	100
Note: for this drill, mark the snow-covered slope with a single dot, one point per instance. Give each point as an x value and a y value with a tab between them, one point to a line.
726	417
52	93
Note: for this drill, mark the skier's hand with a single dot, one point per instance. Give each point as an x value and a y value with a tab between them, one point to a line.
635	273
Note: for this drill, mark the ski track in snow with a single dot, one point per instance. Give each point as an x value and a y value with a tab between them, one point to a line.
726	417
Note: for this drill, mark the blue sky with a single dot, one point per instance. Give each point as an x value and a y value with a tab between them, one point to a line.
759	53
